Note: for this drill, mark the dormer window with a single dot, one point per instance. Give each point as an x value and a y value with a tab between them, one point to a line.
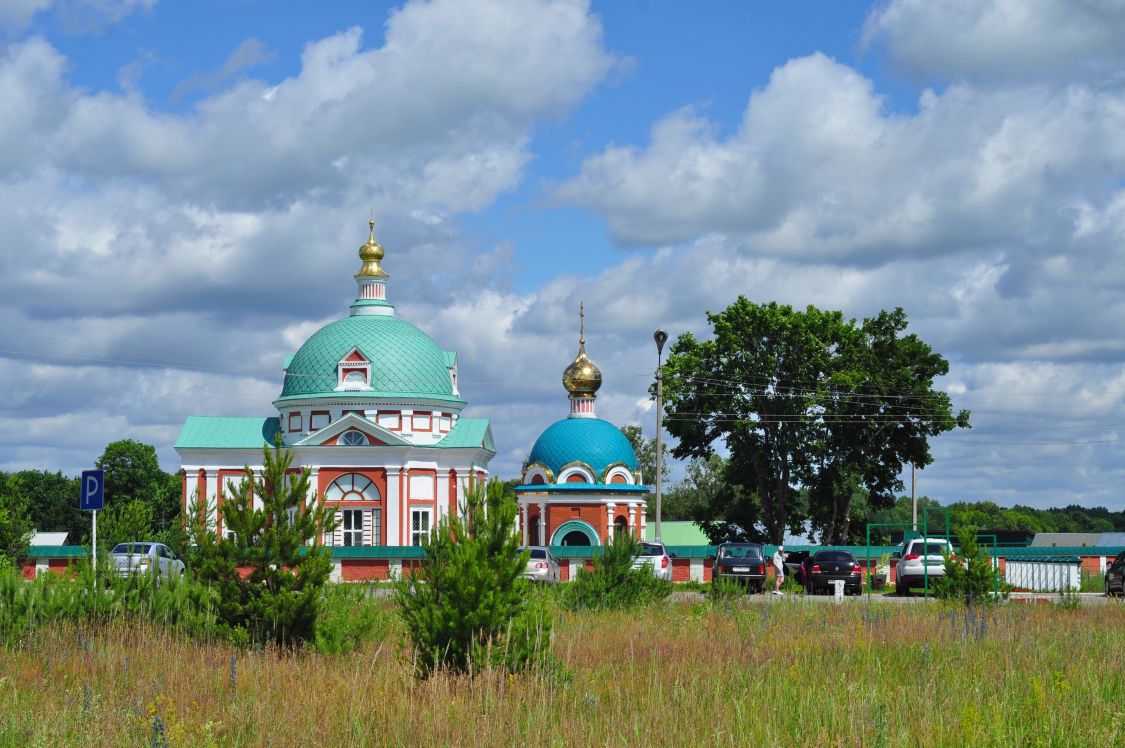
354	372
453	381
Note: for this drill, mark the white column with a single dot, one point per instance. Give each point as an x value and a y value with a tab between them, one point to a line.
609	510
391	509
542	523
523	521
211	487
644	522
632	523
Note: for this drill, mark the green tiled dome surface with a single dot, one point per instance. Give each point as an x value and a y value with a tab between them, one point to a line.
405	362
596	442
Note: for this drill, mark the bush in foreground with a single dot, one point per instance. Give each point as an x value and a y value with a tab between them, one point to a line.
614	583
467	609
279	543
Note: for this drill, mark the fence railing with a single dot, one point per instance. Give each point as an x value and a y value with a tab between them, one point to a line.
1044	573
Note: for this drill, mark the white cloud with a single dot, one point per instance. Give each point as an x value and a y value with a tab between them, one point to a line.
819	170
1002	39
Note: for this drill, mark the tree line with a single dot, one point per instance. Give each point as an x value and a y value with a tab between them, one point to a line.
142	503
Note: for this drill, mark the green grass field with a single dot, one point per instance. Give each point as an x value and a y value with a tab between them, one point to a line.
787	673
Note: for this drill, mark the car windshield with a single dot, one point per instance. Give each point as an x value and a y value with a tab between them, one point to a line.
538	553
739	551
132	548
834	557
652	550
932	549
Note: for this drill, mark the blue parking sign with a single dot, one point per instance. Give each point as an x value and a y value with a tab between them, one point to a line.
93	490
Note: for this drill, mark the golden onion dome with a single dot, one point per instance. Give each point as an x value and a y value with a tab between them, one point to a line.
371	252
582	378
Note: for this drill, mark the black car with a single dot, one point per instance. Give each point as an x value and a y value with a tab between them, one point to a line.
1115	576
743	562
818	571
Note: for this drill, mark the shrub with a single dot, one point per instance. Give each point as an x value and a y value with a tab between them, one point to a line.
349	616
614	583
467	608
969	578
723	591
279	543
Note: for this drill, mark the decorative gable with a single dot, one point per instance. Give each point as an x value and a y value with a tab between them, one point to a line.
353	372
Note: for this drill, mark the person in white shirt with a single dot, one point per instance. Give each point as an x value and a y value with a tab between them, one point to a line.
779	569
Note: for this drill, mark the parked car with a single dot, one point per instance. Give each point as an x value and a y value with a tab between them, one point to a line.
742	562
656	557
918	557
542	566
145	558
818	571
1115	576
793	561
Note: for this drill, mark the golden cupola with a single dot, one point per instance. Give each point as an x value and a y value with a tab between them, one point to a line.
582	378
371	253
371	280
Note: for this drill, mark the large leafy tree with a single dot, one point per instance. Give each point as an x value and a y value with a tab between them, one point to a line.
277	545
52	502
804	399
15	527
645	449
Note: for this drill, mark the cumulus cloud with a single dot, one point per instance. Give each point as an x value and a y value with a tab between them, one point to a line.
76	16
1001	40
818	169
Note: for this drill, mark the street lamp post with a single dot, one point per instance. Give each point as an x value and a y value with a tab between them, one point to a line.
661	338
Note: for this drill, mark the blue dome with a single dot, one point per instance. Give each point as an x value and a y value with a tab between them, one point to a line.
593	441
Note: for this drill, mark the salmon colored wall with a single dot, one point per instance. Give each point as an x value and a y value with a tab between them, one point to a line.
560	514
355	570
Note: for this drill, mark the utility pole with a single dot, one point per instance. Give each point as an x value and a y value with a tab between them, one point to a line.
913	497
661	338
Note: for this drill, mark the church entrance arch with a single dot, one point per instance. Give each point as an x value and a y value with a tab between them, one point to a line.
575	533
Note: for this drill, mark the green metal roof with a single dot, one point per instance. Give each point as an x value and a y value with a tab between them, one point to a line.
218	432
405	362
677	533
582	488
469	432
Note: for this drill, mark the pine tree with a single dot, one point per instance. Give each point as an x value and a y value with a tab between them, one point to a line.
270	574
467	607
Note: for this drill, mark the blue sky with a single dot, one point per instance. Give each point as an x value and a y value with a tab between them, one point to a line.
183	187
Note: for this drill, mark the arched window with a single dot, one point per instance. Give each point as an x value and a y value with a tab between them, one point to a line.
620	525
352	487
352	439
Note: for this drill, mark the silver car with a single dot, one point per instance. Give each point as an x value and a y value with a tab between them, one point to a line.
919	558
542	566
145	558
656	557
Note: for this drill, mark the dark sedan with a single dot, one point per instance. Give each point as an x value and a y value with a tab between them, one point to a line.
1115	576
818	571
742	562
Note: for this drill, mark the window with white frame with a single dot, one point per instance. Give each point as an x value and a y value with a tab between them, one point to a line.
419	526
353	438
352	487
352	525
376	526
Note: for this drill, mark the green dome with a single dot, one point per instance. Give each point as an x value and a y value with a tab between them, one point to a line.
593	441
405	362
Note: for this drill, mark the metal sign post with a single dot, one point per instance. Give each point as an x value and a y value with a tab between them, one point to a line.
92	498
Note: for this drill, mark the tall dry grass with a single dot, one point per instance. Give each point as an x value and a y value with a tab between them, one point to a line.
778	673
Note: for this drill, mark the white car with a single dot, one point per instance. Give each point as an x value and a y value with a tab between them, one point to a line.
917	558
142	558
542	566
656	557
